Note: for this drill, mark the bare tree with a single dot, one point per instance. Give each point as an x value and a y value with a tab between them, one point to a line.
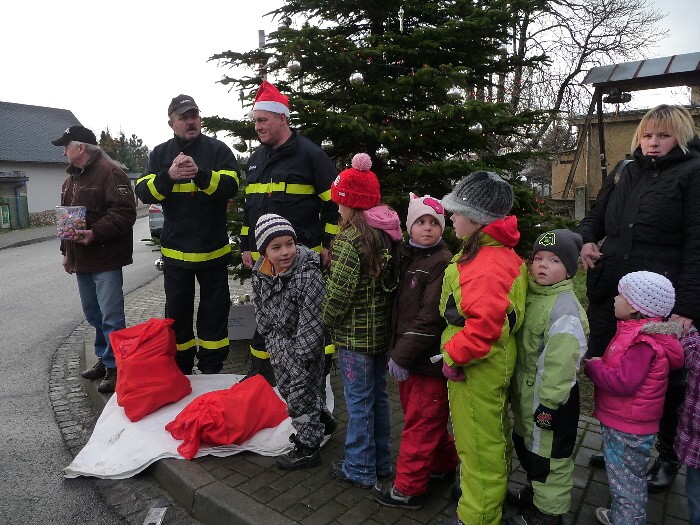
575	35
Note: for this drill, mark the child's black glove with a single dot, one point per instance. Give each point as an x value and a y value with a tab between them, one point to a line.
545	418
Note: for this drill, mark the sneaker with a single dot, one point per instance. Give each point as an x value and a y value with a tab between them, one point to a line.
521	498
602	515
338	472
109	383
389	496
96	372
534	516
300	457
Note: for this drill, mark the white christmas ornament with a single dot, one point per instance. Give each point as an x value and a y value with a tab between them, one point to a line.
454	93
357	78
293	66
476	127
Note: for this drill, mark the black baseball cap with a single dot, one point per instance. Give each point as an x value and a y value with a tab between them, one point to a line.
180	104
77	134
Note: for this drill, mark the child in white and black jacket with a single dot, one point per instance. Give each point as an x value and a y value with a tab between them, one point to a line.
288	292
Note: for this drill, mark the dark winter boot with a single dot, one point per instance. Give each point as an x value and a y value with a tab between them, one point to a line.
109	383
521	498
661	475
96	372
262	367
597	461
300	457
329	424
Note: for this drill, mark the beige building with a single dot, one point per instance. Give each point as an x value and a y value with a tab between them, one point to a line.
618	129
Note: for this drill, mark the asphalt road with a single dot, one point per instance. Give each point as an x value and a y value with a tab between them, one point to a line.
39	308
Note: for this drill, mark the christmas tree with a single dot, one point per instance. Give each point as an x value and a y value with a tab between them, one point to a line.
420	86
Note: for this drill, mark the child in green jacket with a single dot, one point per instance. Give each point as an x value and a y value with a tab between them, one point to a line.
544	391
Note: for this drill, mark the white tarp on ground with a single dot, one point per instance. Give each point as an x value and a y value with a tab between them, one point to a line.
119	448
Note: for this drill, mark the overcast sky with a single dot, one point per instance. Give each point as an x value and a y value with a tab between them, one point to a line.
118	67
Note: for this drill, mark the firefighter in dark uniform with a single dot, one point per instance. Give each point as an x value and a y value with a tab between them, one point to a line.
291	176
193	176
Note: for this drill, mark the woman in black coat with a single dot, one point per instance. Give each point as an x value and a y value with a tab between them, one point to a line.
649	219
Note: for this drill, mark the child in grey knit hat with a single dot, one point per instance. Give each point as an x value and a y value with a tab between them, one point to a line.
482	301
544	390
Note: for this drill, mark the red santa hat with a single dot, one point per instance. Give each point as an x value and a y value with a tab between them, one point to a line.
268	98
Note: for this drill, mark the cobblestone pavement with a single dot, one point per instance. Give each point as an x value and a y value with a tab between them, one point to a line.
247	488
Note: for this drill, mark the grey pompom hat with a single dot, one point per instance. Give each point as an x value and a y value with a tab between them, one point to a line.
483	196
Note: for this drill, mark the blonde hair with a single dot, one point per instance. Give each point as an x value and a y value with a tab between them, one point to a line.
677	120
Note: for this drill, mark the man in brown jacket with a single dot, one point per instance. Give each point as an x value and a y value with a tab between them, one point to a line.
98	250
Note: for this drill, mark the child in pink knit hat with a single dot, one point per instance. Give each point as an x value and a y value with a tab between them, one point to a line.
427	449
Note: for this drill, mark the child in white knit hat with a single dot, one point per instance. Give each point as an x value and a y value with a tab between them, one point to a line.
630	383
427	449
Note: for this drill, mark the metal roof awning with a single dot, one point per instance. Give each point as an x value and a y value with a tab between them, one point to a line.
675	70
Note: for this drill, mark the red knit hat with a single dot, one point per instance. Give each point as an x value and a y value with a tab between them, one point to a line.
357	187
268	98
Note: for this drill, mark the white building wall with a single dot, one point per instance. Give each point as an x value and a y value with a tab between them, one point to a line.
44	184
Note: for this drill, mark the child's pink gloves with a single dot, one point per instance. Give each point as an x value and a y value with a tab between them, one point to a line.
453	374
399	372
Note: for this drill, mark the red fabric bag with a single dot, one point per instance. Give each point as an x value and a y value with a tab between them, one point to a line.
227	417
148	376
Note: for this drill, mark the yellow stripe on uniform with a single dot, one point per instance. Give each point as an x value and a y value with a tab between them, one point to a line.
330	349
267	187
260	354
331	229
195	257
300	189
185	187
281	187
150	183
214	345
181	347
325	196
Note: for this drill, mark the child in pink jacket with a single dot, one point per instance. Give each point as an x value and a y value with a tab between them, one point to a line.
630	384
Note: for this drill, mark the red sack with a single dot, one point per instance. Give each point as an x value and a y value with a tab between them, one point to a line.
227	417
148	376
